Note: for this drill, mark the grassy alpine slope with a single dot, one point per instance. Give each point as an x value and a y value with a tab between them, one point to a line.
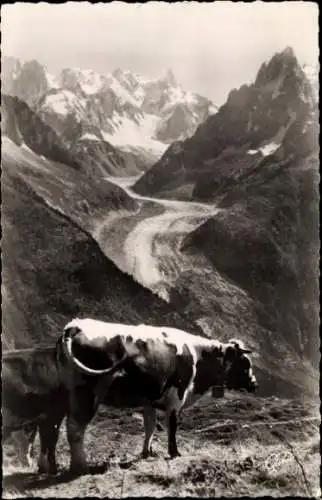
231	447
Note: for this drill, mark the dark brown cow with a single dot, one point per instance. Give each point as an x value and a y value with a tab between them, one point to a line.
33	396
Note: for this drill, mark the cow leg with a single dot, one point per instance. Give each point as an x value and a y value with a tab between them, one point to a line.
22	440
44	432
52	443
48	432
31	435
82	410
51	448
172	423
173	405
29	454
150	420
102	387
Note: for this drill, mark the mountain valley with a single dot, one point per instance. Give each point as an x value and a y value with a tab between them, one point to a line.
135	201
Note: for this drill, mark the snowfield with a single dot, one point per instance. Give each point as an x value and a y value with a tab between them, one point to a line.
122	94
129	133
89	81
269	148
90	137
266	150
63	103
52	81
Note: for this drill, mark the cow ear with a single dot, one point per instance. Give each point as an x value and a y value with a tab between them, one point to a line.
239	346
230	353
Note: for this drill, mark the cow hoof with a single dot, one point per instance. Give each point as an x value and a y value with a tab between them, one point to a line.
42	470
150	453
78	469
43	467
47	467
29	463
53	470
174	454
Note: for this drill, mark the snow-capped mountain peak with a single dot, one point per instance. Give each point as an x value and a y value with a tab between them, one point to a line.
86	80
273	117
52	81
123	89
125	108
176	95
126	78
63	102
170	78
312	74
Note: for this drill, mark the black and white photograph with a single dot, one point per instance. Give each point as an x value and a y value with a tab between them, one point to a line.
160	249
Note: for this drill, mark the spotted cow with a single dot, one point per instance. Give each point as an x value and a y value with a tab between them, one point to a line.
144	366
118	365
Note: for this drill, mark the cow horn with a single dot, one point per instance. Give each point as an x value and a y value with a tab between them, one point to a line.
239	345
246	351
86	369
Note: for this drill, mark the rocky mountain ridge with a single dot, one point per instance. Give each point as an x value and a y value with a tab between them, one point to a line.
28	130
273	116
257	161
53	269
122	108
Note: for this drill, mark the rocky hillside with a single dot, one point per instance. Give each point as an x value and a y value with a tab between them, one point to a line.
266	242
273	116
257	161
25	127
126	110
52	270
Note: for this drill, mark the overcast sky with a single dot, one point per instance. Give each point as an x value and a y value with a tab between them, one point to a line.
211	48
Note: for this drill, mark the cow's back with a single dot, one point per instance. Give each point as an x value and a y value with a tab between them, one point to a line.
30	370
30	385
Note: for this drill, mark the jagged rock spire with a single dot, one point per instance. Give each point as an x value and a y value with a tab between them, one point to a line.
170	78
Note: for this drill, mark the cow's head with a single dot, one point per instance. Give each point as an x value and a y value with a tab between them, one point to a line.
238	368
